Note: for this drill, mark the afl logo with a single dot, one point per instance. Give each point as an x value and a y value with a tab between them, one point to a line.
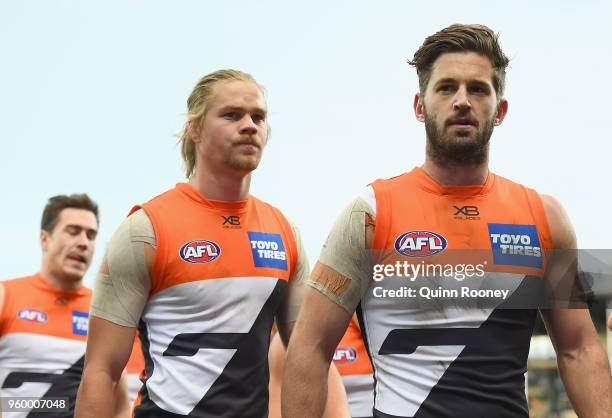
345	355
200	251
420	243
32	315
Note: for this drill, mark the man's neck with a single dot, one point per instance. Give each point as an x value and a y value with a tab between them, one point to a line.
220	186
456	175
57	282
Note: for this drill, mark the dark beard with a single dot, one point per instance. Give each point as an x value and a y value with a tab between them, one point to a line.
453	152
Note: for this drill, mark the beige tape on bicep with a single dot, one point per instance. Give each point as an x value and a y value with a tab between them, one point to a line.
343	270
120	295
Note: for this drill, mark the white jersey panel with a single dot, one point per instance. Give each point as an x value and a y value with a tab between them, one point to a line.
227	305
403	381
360	393
36	354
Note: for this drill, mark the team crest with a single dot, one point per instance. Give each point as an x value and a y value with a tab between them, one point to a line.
200	251
32	315
420	243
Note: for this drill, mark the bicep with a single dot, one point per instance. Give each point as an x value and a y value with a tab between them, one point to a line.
569	328
562	271
320	324
109	346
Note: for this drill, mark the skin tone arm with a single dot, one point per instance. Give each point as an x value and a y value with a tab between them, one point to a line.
318	330
109	346
108	349
582	362
123	409
337	403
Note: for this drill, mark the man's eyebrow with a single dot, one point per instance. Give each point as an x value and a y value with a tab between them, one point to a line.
446	80
80	227
243	109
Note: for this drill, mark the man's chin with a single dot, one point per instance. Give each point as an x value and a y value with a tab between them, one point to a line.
74	274
244	165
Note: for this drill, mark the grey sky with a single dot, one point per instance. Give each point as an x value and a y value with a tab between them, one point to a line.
91	94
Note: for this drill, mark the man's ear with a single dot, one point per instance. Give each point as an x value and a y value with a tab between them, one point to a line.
418	107
193	129
44	240
502	111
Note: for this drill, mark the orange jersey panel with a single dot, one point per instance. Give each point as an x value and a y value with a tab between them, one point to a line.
245	239
436	223
32	305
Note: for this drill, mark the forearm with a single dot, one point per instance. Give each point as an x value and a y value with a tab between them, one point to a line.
586	375
304	391
337	402
95	398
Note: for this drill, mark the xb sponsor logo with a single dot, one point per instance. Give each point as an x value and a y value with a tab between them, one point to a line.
231	221
200	251
420	243
344	355
470	213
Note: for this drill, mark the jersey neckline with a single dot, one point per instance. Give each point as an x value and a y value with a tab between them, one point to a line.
39	281
428	184
238	206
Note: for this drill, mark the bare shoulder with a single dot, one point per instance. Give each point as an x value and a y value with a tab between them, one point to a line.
561	228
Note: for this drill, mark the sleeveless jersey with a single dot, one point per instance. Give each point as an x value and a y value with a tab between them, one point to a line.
353	363
450	354
217	281
43	332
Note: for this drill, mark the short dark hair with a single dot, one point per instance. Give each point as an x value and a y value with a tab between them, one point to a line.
461	38
60	202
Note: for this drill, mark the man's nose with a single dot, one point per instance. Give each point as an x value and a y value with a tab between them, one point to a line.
248	126
461	101
83	240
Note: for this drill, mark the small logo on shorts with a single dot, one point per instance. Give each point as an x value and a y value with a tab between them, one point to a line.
80	322
268	250
200	251
344	355
420	243
32	315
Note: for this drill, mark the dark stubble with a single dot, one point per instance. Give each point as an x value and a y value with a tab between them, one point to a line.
458	150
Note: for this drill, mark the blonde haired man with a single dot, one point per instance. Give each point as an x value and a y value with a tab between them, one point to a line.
202	271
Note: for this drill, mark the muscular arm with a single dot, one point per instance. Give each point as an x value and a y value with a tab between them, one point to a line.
582	362
333	292
119	296
318	330
337	405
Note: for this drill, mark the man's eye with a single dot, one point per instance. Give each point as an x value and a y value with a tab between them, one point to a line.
231	115
91	235
445	88
258	119
478	89
73	230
